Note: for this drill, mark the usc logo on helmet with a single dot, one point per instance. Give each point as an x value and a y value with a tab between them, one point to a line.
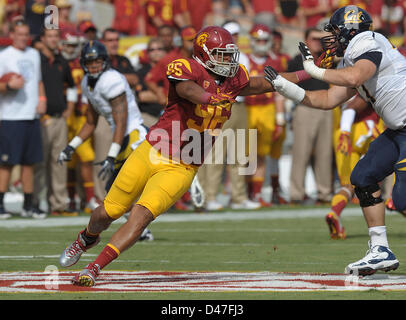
202	38
352	16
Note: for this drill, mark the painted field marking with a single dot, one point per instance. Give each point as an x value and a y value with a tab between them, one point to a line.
160	281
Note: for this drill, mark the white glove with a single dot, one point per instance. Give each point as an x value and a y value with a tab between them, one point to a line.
308	63
284	87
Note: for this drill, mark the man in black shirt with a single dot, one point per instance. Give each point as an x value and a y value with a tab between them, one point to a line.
56	76
312	134
121	63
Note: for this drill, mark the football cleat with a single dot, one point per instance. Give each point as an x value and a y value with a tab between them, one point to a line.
337	231
87	277
91	205
146	235
377	258
277	199
72	254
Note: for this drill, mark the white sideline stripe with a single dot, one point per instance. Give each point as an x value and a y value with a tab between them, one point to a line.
186	217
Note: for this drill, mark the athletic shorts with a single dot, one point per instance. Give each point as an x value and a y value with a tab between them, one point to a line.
150	180
20	142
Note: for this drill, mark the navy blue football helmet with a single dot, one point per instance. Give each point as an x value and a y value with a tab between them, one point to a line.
91	51
345	24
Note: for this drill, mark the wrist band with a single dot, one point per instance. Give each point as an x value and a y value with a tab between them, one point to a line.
76	142
42	98
114	150
313	70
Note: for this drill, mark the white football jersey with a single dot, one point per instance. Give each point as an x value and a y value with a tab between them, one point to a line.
111	84
386	89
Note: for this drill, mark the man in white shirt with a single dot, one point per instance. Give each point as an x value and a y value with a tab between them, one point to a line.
22	98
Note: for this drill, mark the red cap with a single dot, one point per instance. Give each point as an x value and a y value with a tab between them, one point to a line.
188	33
85	26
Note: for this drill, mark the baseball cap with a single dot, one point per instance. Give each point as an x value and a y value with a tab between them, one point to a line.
188	33
87	25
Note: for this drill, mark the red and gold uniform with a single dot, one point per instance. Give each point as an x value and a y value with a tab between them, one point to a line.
162	168
261	111
366	127
165	10
77	119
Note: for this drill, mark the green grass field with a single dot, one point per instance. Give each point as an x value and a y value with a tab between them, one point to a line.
277	244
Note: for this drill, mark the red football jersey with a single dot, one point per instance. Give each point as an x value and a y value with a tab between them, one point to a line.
158	73
170	135
77	75
165	10
257	69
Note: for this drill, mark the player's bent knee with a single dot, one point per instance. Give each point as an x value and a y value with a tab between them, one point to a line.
113	209
366	197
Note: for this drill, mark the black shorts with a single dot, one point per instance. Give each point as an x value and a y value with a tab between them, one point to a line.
20	142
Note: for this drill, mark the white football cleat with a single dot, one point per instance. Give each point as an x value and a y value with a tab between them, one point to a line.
377	258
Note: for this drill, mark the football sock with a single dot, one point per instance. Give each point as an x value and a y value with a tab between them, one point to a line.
89	190
338	203
256	187
27	200
378	236
71	185
1	199
108	254
89	238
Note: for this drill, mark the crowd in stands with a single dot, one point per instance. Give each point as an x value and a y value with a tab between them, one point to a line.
170	26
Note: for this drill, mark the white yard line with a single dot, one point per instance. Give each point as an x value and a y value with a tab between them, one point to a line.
186	217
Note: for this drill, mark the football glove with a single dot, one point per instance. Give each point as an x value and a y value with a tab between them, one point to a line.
197	193
107	168
308	63
66	154
344	143
304	50
326	60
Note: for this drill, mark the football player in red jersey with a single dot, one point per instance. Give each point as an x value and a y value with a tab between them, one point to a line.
161	169
266	115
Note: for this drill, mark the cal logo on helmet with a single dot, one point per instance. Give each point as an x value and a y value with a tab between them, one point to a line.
353	16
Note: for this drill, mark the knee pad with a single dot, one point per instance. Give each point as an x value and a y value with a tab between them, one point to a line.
364	194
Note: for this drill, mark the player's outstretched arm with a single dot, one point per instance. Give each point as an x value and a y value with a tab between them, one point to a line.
191	91
351	76
319	99
259	85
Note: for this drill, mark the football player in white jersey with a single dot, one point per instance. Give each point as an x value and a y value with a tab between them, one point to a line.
376	70
109	95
